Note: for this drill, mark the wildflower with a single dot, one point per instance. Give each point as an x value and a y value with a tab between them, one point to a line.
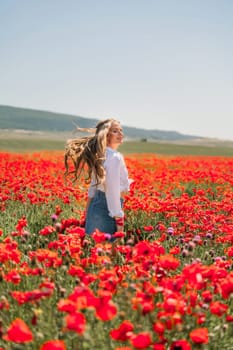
75	322
18	332
170	231
58	210
199	336
123	332
169	262
218	308
54	217
53	345
159	346
47	257
141	340
229	318
9	252
47	230
66	305
21	224
159	327
207	296
175	250
226	286
12	276
58	227
184	253
148	228
98	236
180	345
119	234
105	308
83	297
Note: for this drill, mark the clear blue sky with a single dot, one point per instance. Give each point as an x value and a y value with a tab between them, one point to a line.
155	64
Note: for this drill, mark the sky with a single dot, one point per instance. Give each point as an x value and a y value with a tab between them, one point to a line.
153	64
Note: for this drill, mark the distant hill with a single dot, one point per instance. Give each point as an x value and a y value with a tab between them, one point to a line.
36	120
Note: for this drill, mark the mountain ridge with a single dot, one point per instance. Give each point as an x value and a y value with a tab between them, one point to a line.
28	119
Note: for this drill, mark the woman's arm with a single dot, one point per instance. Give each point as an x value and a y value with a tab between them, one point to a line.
113	191
112	187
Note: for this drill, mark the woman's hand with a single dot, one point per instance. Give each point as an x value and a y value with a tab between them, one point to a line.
119	223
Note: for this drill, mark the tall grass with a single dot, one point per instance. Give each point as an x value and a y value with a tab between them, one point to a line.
25	145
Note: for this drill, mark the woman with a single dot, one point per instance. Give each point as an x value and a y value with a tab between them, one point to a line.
107	175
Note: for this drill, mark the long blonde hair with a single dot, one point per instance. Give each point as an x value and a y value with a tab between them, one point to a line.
89	151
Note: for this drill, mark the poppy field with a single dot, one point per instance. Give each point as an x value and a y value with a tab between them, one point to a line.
165	283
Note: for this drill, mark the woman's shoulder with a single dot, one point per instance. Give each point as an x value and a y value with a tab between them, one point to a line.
113	155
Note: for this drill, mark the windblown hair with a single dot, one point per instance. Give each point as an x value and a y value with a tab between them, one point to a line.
88	151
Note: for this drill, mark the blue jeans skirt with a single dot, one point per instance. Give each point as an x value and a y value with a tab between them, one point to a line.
97	216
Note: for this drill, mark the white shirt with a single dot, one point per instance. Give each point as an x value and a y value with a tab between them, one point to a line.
116	181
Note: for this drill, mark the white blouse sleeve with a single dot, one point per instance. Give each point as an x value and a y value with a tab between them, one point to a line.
124	178
112	186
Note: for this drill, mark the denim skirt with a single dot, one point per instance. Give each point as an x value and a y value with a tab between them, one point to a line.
97	216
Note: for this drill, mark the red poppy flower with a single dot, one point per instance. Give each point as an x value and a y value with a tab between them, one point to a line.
53	345
226	286
21	224
76	322
106	310
200	335
58	210
119	234
169	262
159	327
123	332
148	228
98	236
207	296
181	344
66	305
218	308
47	230
12	276
83	297
9	252
18	332
141	340
159	346
175	250
229	318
